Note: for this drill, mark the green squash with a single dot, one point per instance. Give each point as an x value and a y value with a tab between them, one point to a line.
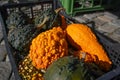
17	19
20	38
67	68
48	19
21	30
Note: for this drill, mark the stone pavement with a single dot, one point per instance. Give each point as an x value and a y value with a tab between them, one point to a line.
106	22
5	66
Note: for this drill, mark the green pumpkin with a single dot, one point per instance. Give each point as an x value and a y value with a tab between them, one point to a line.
67	68
46	19
21	31
20	38
17	19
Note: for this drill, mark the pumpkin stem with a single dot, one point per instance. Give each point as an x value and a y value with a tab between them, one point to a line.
58	10
63	22
39	26
83	56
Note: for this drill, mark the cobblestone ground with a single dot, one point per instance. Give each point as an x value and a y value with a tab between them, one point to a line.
5	66
106	22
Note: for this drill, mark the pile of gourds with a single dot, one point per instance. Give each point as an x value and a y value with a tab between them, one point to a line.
65	51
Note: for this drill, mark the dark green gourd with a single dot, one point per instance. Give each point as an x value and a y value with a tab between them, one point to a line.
67	68
21	31
20	38
47	19
17	19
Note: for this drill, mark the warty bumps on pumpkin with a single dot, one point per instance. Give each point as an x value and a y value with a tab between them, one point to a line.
82	37
47	47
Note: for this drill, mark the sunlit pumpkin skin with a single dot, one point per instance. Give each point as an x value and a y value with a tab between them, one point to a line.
47	47
67	68
81	37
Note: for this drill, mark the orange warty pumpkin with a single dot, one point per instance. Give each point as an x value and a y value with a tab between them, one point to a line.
81	37
47	47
